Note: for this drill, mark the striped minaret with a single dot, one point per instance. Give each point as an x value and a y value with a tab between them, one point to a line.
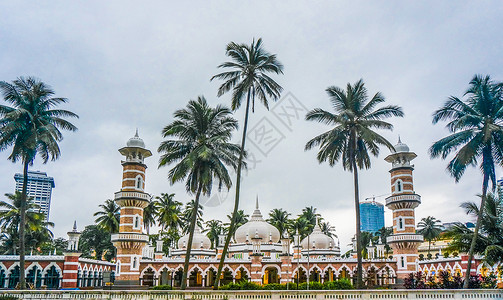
132	200
72	254
402	202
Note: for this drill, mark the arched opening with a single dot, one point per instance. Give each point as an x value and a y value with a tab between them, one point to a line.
13	277
371	277
226	276
270	275
52	278
34	277
137	222
314	275
241	275
344	273
210	277
148	277
399	186
329	275
3	278
177	279
196	278
165	277
400	223
139	183
79	278
299	276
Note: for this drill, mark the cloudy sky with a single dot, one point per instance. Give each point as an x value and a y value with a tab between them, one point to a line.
127	65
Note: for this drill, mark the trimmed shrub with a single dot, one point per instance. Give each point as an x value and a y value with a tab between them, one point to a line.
243	285
341	284
274	286
8	298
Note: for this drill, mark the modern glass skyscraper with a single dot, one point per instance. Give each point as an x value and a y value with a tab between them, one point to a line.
371	216
39	187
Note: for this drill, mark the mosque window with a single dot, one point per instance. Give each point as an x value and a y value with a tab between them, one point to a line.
400	223
402	260
399	187
137	222
139	182
135	263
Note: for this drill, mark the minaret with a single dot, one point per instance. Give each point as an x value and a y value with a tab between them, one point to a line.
402	202
72	254
132	200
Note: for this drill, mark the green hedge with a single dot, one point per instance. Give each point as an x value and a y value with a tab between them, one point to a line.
8	298
160	287
341	284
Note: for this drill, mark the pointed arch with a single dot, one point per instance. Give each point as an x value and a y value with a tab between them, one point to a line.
146	268
44	272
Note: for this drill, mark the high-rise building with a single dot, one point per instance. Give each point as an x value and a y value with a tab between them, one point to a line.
371	216
39	187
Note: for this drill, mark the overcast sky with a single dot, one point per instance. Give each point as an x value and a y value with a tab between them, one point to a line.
127	65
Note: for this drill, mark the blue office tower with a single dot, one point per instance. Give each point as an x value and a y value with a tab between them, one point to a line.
39	187
371	216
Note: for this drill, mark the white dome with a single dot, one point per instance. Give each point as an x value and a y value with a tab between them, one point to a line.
318	240
257	227
401	147
199	241
136	141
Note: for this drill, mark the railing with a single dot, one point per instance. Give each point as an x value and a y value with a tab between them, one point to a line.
129	237
404	238
143	196
259	295
405	197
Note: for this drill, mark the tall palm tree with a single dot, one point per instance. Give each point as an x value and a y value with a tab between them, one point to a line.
248	78
149	215
169	212
309	213
108	217
383	233
490	239
328	229
240	219
31	125
352	138
430	228
279	218
213	229
199	143
187	215
476	131
302	226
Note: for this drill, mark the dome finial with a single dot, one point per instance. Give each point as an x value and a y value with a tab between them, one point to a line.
256	203
136	134
75	226
399	140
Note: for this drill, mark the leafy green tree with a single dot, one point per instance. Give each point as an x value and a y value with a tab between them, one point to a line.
95	243
280	219
247	77
213	229
199	143
31	125
490	240
328	229
301	226
240	219
352	138
150	215
309	213
430	228
60	244
476	131
383	233
187	216
169	212
108	217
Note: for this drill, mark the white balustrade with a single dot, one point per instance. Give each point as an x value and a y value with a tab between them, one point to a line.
405	197
123	194
129	237
405	237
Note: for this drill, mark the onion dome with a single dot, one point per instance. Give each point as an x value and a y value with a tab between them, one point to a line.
199	241
257	228
401	147
318	240
136	141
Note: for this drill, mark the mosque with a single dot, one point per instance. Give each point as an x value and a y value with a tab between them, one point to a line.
257	252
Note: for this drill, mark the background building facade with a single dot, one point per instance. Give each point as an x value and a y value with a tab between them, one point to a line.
371	216
39	187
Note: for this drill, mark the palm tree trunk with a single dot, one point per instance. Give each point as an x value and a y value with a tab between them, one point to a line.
21	227
476	232
236	199
191	237
429	247
359	278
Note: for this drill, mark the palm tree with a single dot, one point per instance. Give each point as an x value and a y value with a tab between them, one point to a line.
169	212
302	226
199	143
279	218
328	229
476	134
248	78
240	219
108	216
36	227
187	216
352	136
309	213
383	233
430	228
149	215
31	126
490	240
213	229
